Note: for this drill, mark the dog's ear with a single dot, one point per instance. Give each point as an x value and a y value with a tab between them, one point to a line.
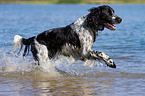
93	19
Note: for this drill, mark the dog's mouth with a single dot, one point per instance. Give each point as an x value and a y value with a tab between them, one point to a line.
110	26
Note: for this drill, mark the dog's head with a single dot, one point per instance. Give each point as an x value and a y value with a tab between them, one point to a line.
103	16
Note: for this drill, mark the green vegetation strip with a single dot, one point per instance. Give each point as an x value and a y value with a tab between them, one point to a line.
73	1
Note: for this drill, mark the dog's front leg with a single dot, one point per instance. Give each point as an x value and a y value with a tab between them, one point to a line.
101	55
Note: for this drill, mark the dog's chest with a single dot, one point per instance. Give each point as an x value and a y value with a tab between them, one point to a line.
86	36
86	39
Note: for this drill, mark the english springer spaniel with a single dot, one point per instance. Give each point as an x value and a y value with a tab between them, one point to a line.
74	41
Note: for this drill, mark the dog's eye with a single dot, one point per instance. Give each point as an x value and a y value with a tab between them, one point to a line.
109	13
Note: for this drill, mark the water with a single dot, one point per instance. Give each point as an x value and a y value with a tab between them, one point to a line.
19	76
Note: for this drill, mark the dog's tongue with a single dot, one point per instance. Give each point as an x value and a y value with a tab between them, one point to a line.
111	27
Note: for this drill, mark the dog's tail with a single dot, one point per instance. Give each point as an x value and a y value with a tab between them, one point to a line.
19	41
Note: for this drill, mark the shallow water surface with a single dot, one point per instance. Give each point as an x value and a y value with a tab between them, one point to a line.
19	76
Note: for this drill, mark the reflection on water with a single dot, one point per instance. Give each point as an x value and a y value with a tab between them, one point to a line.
100	83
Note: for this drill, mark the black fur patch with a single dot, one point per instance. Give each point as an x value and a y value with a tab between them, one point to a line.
54	39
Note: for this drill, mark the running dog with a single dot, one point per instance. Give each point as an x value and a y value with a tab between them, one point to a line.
74	40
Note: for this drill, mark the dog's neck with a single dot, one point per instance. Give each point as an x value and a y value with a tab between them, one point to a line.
81	27
81	22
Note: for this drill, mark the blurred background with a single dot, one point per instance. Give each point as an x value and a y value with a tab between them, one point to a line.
73	1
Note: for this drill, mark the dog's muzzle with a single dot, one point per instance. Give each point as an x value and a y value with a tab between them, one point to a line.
115	20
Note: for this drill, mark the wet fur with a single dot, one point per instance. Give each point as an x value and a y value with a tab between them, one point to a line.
74	40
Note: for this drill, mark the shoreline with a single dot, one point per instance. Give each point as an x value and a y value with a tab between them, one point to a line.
81	2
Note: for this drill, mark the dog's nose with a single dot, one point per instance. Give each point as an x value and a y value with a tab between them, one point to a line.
118	19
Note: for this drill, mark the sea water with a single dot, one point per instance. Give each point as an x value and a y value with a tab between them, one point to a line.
19	76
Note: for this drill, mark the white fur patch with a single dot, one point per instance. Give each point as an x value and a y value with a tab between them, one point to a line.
85	35
42	52
17	42
113	17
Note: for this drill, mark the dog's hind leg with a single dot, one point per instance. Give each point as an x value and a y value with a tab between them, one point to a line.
102	56
35	52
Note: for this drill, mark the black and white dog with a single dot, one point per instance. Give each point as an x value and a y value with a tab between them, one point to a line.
74	40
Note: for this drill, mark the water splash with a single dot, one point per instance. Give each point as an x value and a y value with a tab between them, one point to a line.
11	62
